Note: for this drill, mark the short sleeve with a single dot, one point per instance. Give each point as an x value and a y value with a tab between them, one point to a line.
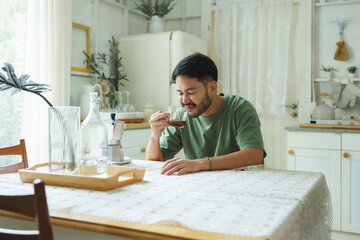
170	142
248	128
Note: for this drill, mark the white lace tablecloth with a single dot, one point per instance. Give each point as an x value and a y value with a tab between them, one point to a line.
255	202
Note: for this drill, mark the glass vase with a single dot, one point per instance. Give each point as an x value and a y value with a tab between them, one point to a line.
64	124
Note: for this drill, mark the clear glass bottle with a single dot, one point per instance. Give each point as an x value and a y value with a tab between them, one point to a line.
94	140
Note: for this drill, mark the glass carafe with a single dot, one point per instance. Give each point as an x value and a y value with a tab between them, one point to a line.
94	140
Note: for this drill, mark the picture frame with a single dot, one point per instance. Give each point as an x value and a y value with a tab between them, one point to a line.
80	42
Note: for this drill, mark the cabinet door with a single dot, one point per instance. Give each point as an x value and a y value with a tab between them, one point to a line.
137	152
327	162
351	191
134	142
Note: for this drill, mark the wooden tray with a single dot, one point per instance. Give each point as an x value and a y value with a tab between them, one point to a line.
117	176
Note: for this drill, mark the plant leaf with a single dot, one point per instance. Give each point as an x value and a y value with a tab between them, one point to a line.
15	91
4	87
12	79
23	78
22	83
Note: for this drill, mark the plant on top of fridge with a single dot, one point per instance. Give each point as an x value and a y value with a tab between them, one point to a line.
155	7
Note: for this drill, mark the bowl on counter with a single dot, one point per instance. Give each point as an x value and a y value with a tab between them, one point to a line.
127	117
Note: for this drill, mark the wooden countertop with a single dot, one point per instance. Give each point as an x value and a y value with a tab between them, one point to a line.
136	125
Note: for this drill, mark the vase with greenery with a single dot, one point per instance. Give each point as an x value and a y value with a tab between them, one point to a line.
352	71
329	70
155	7
63	142
155	10
108	66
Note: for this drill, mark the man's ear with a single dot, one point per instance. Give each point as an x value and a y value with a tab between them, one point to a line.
213	86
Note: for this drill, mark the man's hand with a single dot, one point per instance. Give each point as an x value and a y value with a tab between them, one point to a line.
179	166
158	122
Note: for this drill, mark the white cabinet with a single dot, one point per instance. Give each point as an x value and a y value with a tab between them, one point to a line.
337	156
134	142
319	152
351	183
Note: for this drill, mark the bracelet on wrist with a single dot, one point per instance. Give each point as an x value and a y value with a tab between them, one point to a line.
210	163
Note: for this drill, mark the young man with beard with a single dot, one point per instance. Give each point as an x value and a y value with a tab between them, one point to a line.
221	131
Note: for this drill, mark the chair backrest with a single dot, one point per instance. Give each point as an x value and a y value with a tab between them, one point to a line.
33	205
19	149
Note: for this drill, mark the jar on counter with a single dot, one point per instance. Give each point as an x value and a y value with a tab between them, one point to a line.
149	109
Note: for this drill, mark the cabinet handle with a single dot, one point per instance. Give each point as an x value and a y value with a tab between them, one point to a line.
345	155
143	150
291	152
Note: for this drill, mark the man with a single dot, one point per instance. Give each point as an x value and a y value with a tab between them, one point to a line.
221	131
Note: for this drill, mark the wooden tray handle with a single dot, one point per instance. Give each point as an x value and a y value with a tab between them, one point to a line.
136	174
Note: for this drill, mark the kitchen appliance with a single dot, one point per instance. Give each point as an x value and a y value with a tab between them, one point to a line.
323	111
115	150
149	60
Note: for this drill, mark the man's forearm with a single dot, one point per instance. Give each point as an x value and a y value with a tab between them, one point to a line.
247	157
153	151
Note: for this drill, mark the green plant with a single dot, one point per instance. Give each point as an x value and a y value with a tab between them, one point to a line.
22	83
115	72
352	69
155	7
328	69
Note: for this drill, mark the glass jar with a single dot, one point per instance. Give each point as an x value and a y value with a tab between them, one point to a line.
94	140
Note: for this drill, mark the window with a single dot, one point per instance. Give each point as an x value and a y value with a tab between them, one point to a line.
12	50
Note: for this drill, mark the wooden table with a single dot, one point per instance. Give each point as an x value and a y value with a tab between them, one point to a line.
165	229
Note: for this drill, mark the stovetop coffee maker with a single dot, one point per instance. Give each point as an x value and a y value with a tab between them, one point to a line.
115	150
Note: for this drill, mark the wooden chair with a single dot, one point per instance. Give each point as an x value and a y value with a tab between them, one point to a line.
32	205
19	149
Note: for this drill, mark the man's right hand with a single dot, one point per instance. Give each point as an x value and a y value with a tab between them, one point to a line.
158	122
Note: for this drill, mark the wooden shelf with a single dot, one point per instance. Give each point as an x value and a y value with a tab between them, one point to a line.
336	3
339	80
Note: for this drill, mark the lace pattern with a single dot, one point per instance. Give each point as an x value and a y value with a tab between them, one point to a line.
250	201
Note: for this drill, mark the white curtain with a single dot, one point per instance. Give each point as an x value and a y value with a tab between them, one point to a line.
47	60
251	46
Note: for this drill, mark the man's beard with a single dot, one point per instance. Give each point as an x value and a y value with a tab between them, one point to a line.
201	107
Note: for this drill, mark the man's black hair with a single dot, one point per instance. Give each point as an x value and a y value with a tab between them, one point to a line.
197	66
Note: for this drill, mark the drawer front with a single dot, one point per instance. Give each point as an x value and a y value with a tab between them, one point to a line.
138	152
314	140
136	137
351	141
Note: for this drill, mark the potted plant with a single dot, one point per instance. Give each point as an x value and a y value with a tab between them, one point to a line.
108	67
352	71
328	70
155	10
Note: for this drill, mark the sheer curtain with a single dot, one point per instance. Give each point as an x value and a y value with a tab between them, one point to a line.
47	60
251	43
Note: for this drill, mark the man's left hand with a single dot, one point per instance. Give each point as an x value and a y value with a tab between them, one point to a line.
179	166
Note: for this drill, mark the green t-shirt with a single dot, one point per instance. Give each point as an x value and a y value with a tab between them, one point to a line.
234	127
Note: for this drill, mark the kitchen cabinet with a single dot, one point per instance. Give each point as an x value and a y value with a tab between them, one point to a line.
337	156
351	183
319	152
134	142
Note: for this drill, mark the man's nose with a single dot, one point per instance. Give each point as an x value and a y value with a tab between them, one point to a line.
185	99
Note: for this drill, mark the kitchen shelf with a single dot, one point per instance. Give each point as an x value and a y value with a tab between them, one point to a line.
336	3
339	80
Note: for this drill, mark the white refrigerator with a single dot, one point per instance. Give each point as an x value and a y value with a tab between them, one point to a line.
149	60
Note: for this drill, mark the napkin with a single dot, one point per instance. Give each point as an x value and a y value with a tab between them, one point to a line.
348	96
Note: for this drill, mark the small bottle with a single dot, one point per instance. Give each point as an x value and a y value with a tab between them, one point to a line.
94	140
